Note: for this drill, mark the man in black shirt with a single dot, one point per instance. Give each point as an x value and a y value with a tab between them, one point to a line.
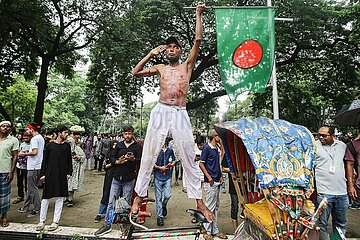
125	160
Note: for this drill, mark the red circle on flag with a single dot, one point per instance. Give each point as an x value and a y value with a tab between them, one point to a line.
248	54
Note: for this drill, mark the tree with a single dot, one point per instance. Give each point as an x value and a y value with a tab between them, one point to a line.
51	30
240	109
19	101
70	102
320	46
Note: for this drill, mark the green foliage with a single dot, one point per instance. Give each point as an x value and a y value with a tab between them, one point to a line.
70	102
317	55
240	109
19	101
51	30
78	237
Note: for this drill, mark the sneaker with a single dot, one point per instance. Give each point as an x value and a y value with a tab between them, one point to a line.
354	207
70	204
103	230
66	201
164	211
97	218
53	227
160	221
21	210
33	213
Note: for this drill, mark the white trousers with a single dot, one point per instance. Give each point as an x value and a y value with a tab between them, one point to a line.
166	119
58	208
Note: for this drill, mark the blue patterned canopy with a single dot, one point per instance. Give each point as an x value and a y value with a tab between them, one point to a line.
282	153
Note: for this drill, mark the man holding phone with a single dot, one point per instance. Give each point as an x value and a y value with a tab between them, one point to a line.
125	161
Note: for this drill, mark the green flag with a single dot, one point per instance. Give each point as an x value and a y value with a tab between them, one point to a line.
246	46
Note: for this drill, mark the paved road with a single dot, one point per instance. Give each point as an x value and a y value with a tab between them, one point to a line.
86	206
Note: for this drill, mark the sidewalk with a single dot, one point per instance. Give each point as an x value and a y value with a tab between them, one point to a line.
22	231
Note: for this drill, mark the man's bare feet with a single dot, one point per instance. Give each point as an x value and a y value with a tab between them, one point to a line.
207	213
136	205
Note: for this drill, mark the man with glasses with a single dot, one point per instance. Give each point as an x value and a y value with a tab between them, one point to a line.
330	181
9	147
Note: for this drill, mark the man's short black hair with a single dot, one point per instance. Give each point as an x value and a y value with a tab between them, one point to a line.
61	128
128	128
199	139
331	130
170	40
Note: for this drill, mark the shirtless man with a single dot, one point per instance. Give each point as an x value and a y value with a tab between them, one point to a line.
170	116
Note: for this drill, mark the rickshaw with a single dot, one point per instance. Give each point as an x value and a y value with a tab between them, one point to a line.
272	162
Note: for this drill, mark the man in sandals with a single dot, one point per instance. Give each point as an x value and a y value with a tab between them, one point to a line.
170	116
210	166
9	147
56	169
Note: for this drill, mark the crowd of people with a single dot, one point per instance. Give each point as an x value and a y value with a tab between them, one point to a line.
58	163
57	166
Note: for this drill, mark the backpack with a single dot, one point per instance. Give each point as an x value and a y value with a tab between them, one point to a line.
352	149
106	145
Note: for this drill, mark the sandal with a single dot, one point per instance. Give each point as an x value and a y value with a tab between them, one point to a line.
18	200
53	227
208	236
220	235
40	226
4	222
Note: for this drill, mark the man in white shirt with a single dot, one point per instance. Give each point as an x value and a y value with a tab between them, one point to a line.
34	161
330	181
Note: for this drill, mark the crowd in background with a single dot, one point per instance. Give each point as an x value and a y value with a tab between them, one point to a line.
38	153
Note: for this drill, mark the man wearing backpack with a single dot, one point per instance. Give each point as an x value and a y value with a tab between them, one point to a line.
352	160
105	144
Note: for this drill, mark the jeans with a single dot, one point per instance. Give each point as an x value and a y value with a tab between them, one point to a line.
118	188
212	201
337	207
162	187
223	185
102	209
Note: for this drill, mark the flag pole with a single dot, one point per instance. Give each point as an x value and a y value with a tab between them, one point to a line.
274	83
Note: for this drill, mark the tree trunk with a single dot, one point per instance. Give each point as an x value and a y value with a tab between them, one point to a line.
42	86
4	113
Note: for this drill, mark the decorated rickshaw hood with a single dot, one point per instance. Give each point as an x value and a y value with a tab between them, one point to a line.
282	153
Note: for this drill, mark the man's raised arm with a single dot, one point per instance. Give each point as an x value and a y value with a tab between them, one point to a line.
139	70
198	36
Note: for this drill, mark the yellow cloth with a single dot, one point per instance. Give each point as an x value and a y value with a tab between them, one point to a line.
259	214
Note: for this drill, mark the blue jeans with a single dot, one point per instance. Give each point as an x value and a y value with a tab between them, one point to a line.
102	209
124	189
162	187
337	207
223	185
